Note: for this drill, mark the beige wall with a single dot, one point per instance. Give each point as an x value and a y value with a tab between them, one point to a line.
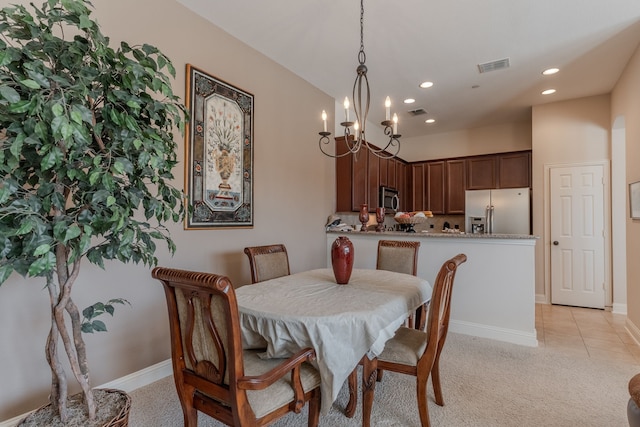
625	105
566	132
468	142
294	194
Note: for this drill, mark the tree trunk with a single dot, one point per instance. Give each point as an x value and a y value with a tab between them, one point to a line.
75	349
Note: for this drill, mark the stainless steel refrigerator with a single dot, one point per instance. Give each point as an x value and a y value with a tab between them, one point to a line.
503	211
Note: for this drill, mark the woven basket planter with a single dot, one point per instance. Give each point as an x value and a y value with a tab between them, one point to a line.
43	415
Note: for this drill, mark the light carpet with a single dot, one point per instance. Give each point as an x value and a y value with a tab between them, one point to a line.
486	383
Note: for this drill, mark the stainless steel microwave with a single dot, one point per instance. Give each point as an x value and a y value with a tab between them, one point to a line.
389	199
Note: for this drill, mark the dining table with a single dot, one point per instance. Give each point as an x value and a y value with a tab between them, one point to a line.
344	324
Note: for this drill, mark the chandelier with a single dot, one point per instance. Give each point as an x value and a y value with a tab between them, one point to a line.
356	139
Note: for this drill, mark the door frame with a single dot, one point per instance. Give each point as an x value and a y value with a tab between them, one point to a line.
606	174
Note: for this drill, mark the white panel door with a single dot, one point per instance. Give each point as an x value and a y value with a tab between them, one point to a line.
577	236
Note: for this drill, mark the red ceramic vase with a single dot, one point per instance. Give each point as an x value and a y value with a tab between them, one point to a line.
342	259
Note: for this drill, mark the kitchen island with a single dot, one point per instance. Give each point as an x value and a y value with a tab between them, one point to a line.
494	291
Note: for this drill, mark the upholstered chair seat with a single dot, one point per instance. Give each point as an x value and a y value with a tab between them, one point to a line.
279	393
406	347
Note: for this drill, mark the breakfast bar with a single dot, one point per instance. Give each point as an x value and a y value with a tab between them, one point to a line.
494	295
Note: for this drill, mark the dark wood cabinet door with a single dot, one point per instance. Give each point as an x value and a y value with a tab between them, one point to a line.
417	186
360	181
434	178
391	173
514	170
383	165
344	178
403	173
373	185
455	176
481	172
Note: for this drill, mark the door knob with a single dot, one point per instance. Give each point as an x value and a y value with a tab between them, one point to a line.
555	242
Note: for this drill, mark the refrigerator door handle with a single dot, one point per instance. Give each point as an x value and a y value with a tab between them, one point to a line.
490	219
487	216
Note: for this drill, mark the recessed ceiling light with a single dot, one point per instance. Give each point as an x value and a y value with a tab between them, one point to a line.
430	121
548	91
550	71
409	101
425	85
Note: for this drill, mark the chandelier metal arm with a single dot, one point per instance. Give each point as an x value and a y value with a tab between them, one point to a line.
361	108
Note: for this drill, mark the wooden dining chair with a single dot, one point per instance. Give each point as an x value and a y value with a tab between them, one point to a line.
402	257
267	262
417	353
211	371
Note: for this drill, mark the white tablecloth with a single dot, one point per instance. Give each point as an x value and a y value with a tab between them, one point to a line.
341	322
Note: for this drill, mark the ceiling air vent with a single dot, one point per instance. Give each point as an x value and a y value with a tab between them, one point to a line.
417	112
499	64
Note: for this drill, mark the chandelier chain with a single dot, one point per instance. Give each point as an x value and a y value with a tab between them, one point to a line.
362	57
353	142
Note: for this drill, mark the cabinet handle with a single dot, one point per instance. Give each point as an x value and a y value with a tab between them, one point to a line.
555	242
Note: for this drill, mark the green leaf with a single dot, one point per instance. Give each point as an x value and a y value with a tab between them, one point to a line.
88	312
25	227
85	21
20	107
42	249
9	93
31	84
16	146
57	110
110	200
5	272
42	265
72	232
99	326
49	160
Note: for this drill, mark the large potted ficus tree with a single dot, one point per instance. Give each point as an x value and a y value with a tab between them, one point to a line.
86	156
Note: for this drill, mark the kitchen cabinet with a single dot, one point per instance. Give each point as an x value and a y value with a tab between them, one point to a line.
514	170
455	186
403	172
373	185
502	170
481	172
417	187
352	179
435	184
383	171
359	177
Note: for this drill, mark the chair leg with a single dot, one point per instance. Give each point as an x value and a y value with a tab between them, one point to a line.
423	408
350	410
380	372
314	409
435	380
190	413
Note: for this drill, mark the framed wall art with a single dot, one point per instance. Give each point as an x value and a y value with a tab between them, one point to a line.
219	153
634	200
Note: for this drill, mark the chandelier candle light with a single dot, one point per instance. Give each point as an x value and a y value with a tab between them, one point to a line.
354	142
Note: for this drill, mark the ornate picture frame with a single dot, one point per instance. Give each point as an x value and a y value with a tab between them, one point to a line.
219	153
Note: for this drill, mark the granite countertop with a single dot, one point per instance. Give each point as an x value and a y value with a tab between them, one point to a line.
431	234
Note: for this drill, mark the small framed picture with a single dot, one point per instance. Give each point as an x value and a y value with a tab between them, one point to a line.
634	200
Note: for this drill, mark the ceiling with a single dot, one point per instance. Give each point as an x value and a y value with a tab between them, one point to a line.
411	41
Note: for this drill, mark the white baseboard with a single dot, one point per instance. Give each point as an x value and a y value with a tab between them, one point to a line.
500	334
618	308
128	383
633	330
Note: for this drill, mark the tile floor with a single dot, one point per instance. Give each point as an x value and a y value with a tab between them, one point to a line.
584	331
